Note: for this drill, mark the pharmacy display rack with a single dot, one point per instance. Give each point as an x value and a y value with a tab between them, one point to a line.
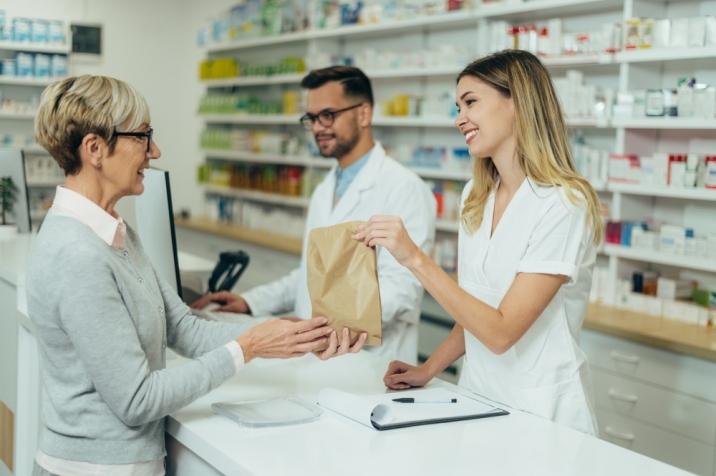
21	121
624	71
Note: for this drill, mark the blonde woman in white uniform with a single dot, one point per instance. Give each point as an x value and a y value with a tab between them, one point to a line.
529	226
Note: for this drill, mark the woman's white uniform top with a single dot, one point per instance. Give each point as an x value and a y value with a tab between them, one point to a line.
545	372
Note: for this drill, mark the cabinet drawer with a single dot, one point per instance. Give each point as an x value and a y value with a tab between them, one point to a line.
676	412
655	443
670	369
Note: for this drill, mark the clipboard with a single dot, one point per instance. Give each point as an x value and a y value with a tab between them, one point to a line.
381	413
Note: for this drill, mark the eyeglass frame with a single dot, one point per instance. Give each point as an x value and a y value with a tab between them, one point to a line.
148	134
317	117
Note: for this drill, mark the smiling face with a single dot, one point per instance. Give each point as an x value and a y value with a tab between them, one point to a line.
124	169
343	135
486	118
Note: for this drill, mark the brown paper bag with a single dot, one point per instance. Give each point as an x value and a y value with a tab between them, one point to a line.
343	282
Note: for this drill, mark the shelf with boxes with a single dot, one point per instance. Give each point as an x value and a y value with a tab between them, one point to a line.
265	158
386	20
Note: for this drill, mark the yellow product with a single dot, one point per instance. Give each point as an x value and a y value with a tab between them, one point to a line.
224	68
291	101
386	108
646	34
401	105
205	70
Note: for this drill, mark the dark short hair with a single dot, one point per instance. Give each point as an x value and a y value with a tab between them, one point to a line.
355	83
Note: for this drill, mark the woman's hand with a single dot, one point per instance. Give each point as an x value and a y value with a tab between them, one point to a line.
401	375
283	339
390	233
334	350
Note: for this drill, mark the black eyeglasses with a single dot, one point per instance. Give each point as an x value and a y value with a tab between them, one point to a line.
148	134
324	118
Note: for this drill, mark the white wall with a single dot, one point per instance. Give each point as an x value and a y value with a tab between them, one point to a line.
151	45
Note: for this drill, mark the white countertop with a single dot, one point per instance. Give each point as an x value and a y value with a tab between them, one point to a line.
518	444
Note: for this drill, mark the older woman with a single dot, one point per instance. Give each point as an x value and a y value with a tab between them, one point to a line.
103	316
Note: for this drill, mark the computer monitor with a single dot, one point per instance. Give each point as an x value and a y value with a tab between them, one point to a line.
155	226
12	164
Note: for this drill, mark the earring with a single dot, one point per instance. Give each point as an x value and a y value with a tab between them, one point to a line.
99	164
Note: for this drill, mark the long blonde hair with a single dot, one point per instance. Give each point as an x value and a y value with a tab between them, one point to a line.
542	145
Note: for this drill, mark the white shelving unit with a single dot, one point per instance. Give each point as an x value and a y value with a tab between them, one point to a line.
27	81
63	49
20	116
259	158
656	257
666	54
704	194
624	71
257	196
22	122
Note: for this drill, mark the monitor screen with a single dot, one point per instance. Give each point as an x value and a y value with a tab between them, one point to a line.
12	164
155	226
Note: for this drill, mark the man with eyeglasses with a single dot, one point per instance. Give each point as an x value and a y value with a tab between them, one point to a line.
364	182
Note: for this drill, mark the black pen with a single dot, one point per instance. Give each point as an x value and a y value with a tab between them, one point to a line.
425	400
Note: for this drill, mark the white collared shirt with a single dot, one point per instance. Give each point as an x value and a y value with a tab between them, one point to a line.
113	231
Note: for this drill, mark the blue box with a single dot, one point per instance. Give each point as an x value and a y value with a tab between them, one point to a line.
25	64
56	32
21	29
39	31
42	66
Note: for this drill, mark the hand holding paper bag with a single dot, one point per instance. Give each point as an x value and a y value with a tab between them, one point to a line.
343	282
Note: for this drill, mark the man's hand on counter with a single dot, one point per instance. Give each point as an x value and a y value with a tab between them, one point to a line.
229	302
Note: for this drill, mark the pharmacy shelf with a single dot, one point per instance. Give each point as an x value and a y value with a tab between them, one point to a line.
378	120
30	150
440	174
663	123
541	9
62	49
274	241
260	158
251	119
257	196
657	257
413	72
451	20
45	183
667	334
254	80
448	20
296	78
704	194
29	81
409	121
447	226
578	60
34	149
587	122
22	116
666	54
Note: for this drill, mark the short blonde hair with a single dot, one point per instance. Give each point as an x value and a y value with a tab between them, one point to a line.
74	107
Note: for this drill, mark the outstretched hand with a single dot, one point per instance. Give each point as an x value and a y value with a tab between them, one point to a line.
390	233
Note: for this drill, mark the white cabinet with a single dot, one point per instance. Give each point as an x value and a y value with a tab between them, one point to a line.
655	402
655	442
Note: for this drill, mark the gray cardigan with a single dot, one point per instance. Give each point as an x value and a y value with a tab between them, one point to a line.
103	319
